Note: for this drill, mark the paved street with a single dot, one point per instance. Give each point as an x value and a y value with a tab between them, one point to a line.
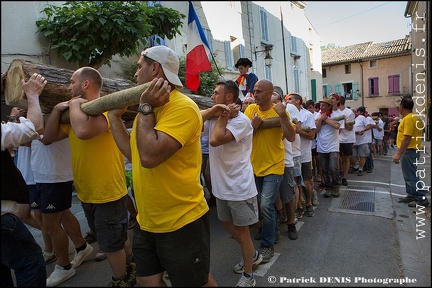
363	238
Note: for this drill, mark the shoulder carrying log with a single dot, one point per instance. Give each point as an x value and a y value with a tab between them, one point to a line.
117	93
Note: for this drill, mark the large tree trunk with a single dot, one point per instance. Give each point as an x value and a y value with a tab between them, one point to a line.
116	93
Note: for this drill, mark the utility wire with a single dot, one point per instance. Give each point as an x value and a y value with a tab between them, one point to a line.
337	21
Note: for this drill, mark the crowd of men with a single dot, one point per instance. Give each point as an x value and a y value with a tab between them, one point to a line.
303	142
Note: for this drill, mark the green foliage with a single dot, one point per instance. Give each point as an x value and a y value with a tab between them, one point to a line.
91	32
208	79
329	47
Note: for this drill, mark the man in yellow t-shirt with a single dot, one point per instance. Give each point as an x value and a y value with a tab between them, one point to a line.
267	158
410	133
98	170
173	231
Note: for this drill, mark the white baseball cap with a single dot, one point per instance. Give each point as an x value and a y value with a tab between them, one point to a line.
169	61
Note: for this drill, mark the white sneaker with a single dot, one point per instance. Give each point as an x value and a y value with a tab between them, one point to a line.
100	255
59	275
239	268
83	254
246	282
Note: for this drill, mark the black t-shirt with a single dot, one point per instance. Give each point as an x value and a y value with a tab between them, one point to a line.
386	121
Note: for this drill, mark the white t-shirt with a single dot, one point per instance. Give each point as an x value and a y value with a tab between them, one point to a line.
230	167
289	159
369	132
379	134
360	123
295	145
51	163
328	137
23	164
306	144
346	136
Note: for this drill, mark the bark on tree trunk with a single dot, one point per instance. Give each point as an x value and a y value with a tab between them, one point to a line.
116	93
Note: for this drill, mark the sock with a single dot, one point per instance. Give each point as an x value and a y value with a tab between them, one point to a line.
129	258
118	279
49	254
82	247
248	275
67	267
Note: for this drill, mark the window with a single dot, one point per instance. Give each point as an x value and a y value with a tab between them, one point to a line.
348	69
373	64
394	85
228	55
294	45
296	79
264	25
324	72
209	37
268	73
373	86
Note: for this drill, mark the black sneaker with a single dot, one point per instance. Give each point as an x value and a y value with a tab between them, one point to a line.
344	182
415	203
292	232
309	211
131	273
267	253
405	200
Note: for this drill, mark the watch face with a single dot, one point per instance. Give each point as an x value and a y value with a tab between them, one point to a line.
145	108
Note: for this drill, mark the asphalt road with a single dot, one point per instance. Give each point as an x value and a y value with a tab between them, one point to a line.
363	238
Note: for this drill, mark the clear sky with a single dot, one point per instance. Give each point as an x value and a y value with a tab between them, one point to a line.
345	23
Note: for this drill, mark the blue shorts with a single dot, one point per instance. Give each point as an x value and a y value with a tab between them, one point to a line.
184	253
109	222
54	197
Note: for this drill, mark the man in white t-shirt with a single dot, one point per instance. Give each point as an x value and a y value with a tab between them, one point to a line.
233	184
361	146
346	139
378	136
327	131
306	137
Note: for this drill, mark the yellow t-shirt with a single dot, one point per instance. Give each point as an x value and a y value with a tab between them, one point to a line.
410	125
268	152
170	195
98	167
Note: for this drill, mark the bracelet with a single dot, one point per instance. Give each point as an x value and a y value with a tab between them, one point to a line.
13	119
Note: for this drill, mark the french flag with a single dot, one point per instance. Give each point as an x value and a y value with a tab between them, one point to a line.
198	51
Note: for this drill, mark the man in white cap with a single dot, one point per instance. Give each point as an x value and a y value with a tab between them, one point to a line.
173	231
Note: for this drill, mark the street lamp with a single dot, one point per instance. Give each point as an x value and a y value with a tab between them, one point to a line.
268	58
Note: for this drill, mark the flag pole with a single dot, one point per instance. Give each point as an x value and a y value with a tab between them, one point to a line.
214	60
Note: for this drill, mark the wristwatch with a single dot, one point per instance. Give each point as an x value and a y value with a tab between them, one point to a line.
145	108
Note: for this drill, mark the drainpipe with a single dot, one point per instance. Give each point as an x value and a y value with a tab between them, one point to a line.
252	45
362	86
284	52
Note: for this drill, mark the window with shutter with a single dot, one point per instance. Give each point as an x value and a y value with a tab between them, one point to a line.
264	25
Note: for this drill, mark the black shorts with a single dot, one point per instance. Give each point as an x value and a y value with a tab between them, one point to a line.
54	197
109	222
184	253
314	152
346	149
